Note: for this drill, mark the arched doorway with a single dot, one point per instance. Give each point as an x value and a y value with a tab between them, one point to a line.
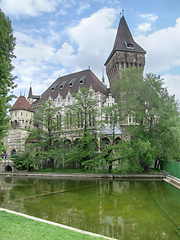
117	140
8	168
105	142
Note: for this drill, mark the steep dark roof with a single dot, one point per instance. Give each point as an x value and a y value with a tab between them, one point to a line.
22	104
124	41
72	83
30	95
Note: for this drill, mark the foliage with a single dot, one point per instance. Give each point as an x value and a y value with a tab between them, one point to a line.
84	150
85	119
111	117
23	162
43	141
84	110
155	134
7	45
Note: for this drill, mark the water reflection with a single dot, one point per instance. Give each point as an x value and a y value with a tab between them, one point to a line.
119	209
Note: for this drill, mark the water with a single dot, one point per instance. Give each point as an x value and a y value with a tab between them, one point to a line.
120	209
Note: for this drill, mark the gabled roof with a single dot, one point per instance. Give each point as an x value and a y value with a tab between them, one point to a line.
124	41
22	104
71	83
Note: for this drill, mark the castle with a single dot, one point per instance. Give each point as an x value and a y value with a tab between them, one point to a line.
126	53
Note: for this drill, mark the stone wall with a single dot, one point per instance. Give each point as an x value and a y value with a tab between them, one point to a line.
7	166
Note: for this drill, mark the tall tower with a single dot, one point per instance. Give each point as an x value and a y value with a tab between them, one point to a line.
126	53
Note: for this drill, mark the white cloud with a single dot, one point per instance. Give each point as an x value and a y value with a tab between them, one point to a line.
64	55
82	7
30	48
172	82
163	51
27	7
94	38
146	24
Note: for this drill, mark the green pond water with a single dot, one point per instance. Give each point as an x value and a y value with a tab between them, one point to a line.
144	210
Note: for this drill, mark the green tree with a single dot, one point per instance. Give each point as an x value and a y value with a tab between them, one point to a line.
44	140
85	121
84	110
7	45
111	118
156	132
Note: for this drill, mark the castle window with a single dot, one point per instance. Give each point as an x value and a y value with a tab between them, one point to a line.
54	87
82	120
81	81
21	113
71	83
58	118
129	45
69	120
131	118
90	119
63	84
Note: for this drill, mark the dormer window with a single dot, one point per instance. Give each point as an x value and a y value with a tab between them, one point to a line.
54	87
71	83
129	44
63	84
81	81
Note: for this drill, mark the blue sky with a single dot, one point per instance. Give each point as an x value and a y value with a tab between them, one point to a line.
58	37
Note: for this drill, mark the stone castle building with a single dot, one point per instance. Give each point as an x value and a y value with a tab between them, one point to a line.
126	53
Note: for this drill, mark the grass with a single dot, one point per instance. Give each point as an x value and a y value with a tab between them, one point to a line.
21	228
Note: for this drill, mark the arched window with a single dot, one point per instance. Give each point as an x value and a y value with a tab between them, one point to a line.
68	120
59	123
105	142
13	152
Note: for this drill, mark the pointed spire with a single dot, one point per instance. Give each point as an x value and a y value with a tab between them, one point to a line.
124	41
30	95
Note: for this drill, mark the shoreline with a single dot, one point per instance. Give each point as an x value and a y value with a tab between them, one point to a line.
86	175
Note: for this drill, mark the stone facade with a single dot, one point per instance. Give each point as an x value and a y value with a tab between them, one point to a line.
123	60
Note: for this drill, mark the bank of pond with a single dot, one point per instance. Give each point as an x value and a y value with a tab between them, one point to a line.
117	208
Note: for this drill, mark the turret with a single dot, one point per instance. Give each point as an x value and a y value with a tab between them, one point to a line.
126	53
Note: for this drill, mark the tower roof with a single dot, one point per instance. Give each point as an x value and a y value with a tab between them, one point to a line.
71	83
30	95
22	104
124	41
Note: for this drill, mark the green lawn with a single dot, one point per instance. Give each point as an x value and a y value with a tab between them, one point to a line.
21	228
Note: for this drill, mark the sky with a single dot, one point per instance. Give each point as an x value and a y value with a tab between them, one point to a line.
59	37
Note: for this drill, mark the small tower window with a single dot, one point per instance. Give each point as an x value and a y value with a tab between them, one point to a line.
129	44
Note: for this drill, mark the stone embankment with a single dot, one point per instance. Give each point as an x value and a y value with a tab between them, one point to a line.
86	175
173	181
